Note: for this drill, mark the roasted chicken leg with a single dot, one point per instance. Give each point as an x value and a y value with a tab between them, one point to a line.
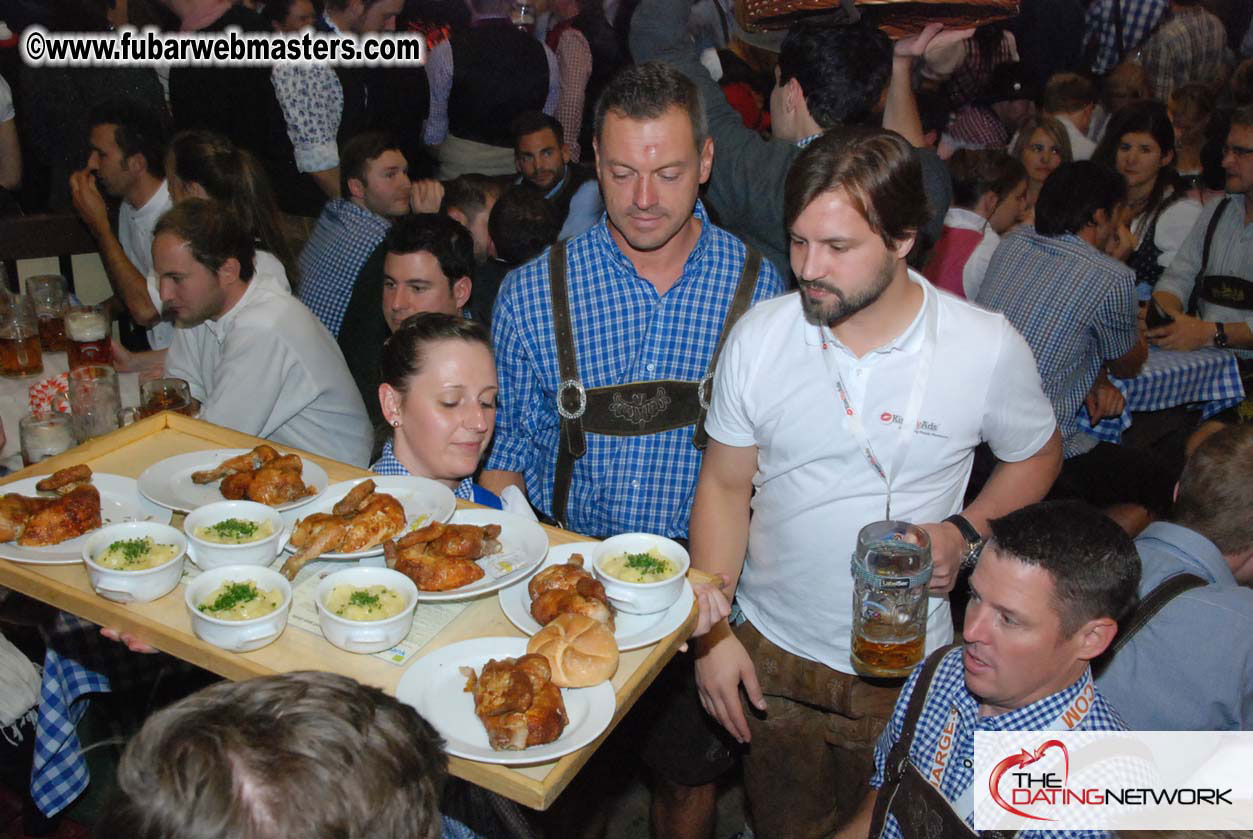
361	519
440	557
559	589
517	702
38	521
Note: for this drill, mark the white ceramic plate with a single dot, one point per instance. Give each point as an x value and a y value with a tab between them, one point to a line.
435	686
119	501
630	631
168	482
523	546
424	501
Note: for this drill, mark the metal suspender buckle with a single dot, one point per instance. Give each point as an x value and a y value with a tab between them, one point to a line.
577	387
706	385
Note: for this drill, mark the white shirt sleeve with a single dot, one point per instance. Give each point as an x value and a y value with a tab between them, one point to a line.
729	421
183	362
1173	226
1018	418
313	103
976	267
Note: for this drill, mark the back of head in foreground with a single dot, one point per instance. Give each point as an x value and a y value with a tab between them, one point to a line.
305	754
1215	496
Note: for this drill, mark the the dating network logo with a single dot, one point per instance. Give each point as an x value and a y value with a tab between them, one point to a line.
1031	788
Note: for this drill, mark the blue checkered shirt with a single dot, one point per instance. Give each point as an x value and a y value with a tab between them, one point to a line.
454	829
948	691
1138	19
1075	306
623	332
342	240
387	464
78	663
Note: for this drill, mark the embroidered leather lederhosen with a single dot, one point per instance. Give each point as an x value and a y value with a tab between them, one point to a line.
921	810
1218	289
632	409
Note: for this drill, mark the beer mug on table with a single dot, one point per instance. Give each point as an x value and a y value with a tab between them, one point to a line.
160	395
891	569
94	400
50	295
44	434
20	353
87	332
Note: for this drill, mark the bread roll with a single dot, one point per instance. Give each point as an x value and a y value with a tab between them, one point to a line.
581	651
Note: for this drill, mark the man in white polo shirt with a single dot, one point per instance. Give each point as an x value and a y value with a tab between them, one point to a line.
813	394
255	357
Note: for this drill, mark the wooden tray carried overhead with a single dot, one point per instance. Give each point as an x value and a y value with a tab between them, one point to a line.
896	17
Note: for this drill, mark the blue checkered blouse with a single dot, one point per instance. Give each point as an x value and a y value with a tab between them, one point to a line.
387	464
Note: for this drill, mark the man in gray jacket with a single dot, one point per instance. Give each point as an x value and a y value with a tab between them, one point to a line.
828	75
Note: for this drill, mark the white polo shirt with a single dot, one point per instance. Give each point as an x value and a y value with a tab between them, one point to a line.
269	367
814	487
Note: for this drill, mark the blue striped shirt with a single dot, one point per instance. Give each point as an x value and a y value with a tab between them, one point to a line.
342	240
948	691
623	332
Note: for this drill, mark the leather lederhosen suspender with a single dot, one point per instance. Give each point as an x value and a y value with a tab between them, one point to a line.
633	409
1218	289
920	809
1152	603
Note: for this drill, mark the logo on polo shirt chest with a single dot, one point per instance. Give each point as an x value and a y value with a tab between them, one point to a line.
931	429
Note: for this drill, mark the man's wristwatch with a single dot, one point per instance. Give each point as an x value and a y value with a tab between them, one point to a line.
974	542
1220	336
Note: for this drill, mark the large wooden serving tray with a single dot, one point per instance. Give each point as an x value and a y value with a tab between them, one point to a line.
165	624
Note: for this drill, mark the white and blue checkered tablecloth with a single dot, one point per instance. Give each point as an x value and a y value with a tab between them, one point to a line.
77	663
1209	377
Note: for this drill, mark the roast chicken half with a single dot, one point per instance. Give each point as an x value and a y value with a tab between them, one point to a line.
519	705
261	475
36	521
440	557
361	519
568	588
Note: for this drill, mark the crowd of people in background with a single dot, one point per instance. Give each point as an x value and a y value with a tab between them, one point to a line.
792	254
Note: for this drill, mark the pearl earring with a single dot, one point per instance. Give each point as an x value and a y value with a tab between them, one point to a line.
395	423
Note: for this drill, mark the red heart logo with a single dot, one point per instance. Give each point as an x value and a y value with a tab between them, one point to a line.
1025	758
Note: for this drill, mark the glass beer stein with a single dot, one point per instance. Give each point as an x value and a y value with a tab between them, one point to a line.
87	332
891	569
20	353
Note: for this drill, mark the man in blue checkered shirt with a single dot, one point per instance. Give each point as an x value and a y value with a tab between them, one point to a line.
1076	306
375	187
648	288
1046	596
